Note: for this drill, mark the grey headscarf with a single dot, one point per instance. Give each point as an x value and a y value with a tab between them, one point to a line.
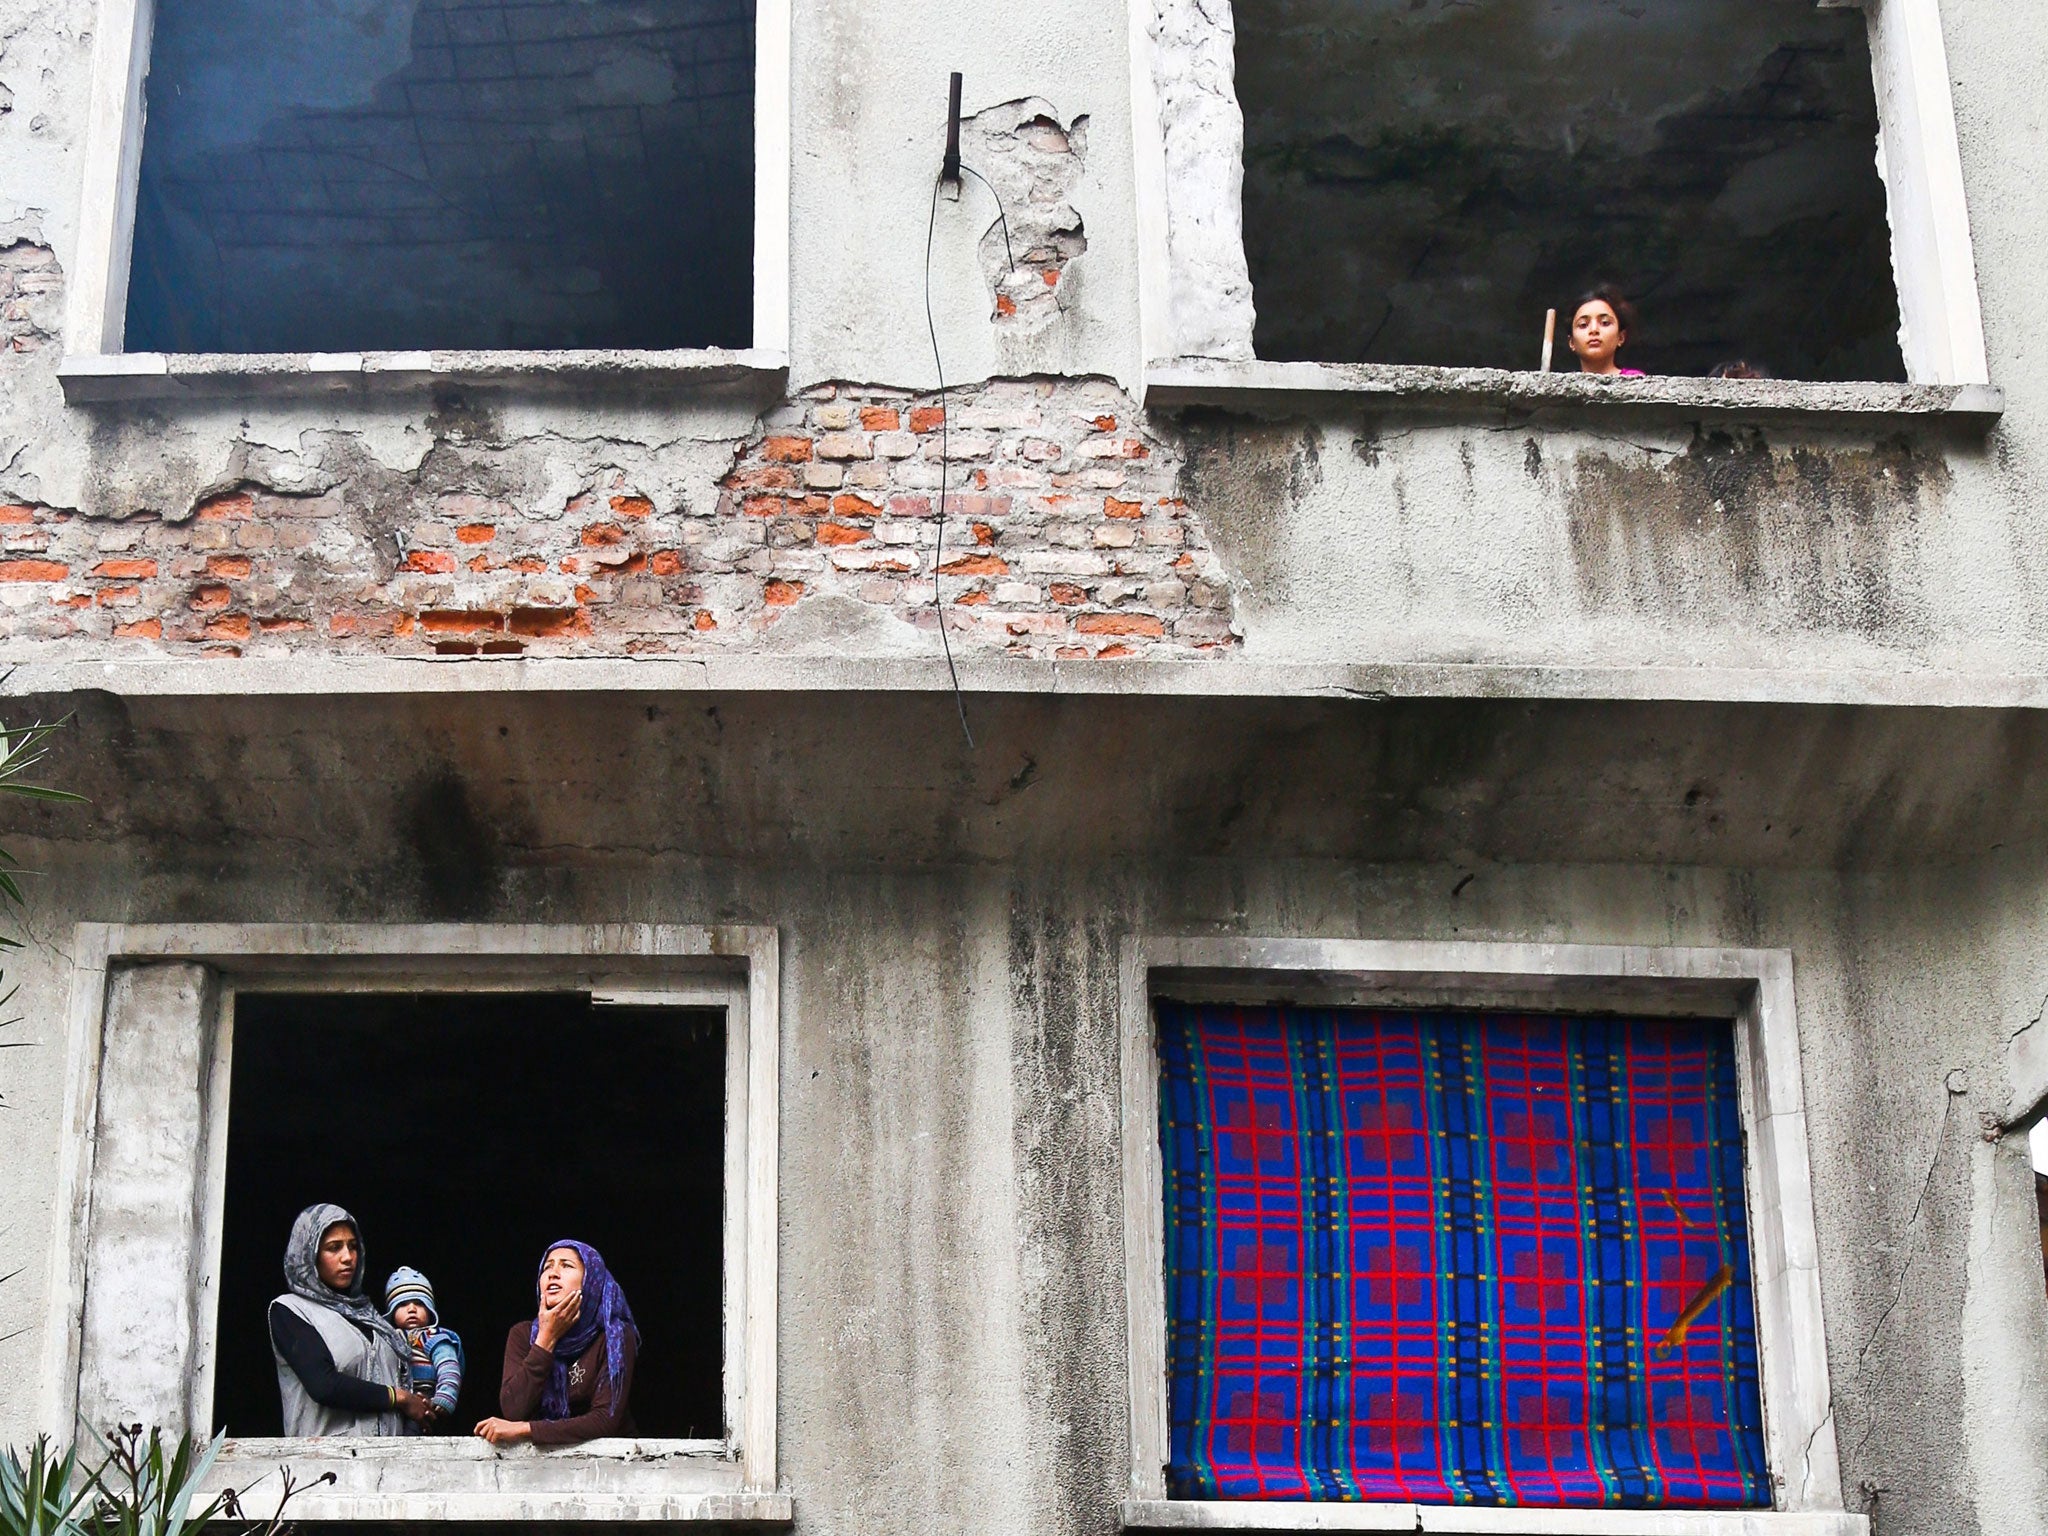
302	1274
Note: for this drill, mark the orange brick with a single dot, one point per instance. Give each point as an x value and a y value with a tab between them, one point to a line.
665	562
209	597
15	513
230	626
927	418
983	534
75	600
1112	652
276	626
971	599
434	562
33	570
853	506
1067	593
602	535
476	533
1117	508
772	477
780	594
232	566
119	597
786	450
880	418
703	620
632	506
235	504
1005	305
839	533
764	506
1118	624
141	629
548	623
529	565
976	565
460	621
125	570
1103	423
480	563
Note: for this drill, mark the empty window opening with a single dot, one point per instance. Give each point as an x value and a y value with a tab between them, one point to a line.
1424	178
466	1132
445	174
1456	1258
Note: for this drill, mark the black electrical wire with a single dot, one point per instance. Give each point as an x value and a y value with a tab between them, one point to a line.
945	417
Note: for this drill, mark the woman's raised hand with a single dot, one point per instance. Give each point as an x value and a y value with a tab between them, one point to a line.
557	1318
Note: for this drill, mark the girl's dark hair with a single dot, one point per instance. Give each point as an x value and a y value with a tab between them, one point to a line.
1611	296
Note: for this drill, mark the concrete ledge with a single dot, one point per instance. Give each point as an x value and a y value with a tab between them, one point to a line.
31	670
1263	388
710	372
688	1481
1190	1515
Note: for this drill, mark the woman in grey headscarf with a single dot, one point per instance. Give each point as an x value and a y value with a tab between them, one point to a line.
340	1365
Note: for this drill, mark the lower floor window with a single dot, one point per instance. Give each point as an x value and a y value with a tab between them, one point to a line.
466	1133
1463	1258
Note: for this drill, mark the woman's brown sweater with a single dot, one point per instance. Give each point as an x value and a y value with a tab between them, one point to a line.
597	1406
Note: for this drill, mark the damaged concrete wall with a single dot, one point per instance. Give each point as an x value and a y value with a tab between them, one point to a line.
952	1339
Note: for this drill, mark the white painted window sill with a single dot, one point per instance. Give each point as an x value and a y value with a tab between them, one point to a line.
1189	1515
1258	387
458	1478
708	372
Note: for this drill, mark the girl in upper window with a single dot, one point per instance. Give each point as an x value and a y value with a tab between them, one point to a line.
1601	323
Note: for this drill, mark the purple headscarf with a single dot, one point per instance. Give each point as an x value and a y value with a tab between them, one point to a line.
604	1311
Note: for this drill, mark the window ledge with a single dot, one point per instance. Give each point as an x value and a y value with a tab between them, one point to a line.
1191	1515
465	1479
1258	387
709	372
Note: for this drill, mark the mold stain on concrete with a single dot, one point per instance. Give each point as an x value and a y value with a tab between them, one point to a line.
1820	535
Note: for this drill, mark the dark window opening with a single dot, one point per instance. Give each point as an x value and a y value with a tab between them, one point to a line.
371	175
1424	178
466	1132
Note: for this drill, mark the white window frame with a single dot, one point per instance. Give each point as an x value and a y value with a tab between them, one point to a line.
96	310
88	1369
1751	987
1195	293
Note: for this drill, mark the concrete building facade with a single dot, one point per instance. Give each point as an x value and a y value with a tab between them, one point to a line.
632	673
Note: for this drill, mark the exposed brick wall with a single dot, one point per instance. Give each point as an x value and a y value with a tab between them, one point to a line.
1064	538
29	286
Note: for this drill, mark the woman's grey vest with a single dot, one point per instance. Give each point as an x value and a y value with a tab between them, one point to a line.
355	1354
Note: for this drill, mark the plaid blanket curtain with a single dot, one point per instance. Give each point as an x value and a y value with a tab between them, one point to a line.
1456	1258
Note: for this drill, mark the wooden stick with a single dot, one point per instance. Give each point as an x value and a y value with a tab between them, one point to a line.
1549	339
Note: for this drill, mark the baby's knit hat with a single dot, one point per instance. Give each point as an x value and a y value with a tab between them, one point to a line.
407	1284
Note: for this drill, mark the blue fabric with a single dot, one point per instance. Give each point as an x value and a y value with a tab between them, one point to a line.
1457	1258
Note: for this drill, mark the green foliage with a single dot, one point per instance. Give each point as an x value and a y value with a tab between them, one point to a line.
145	1488
144	1485
43	1495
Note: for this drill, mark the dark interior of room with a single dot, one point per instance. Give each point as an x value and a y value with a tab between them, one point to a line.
466	1132
366	175
1424	178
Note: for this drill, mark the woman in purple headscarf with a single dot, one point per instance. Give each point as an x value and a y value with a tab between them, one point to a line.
569	1371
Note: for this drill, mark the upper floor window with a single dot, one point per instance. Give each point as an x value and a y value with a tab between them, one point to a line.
385	174
1774	183
416	176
